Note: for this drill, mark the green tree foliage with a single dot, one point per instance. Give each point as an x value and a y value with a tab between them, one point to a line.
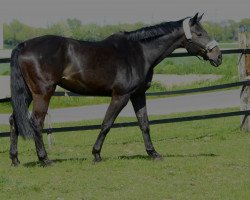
59	28
245	24
16	32
75	27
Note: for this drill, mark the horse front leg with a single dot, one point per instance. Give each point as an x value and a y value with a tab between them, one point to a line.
13	142
116	105
139	104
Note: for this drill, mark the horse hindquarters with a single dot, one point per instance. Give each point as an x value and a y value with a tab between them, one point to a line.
42	90
28	82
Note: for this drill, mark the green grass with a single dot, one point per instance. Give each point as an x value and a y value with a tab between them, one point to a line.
4	69
228	45
5	108
202	160
192	65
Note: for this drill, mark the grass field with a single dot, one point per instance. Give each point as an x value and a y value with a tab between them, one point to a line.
202	160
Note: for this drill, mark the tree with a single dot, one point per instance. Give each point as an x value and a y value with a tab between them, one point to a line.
75	26
59	28
74	23
15	29
245	23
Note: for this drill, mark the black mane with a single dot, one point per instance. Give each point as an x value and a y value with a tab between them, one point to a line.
151	32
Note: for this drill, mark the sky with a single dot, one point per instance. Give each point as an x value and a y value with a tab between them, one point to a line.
41	13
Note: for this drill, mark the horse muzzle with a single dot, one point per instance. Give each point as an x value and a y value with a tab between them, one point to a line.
214	56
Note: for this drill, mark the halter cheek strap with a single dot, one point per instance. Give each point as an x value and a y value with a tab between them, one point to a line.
186	28
209	46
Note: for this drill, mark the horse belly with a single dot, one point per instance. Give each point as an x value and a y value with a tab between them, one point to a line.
84	88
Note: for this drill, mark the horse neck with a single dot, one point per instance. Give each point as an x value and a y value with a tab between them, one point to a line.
157	49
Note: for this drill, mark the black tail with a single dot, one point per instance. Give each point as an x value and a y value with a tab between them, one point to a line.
20	97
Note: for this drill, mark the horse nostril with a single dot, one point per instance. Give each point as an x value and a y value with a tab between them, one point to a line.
220	57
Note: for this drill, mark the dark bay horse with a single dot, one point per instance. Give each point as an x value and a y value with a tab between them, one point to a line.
120	66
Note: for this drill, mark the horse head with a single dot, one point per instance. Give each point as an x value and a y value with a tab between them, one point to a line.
198	41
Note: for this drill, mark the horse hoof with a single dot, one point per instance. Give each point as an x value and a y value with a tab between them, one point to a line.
47	163
154	155
158	158
15	163
97	159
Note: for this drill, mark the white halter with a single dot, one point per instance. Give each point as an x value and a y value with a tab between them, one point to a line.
209	46
186	28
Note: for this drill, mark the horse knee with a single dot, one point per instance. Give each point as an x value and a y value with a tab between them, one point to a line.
105	128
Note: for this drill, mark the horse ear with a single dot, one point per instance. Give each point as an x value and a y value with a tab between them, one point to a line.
200	17
194	20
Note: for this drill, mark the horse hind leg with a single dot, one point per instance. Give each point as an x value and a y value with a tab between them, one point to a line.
14	138
40	108
13	142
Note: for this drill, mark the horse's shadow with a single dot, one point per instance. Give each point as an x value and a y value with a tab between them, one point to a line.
135	157
132	157
37	163
145	157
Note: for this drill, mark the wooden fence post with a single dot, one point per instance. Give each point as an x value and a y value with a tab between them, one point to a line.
244	74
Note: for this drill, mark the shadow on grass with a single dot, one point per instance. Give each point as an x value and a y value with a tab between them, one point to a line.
145	157
38	164
190	155
135	157
132	157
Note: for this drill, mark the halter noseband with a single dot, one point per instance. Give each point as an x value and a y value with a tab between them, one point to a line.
206	48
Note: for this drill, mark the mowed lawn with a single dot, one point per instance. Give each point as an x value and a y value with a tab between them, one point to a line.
206	159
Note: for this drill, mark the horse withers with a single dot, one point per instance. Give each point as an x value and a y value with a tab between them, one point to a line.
120	66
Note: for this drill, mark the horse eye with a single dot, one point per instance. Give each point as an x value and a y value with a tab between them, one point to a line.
199	34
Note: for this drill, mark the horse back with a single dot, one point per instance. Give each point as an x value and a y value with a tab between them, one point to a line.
96	68
105	67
